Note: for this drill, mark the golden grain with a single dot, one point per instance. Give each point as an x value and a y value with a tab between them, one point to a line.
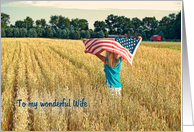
49	69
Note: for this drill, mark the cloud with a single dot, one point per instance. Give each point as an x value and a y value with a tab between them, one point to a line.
100	5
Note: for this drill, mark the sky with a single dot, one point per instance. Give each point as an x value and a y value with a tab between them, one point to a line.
89	10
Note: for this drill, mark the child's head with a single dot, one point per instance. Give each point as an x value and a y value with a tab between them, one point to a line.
112	58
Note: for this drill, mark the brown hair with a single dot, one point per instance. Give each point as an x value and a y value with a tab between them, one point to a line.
112	58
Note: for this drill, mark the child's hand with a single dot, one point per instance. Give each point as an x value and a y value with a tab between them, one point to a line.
139	37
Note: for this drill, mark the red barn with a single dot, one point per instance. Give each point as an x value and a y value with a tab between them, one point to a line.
156	38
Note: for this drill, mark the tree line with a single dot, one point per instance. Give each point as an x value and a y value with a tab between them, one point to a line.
169	27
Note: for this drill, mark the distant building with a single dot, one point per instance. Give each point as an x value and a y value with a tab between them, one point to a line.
156	38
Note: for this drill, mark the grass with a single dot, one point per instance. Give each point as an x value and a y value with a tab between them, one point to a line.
42	70
170	45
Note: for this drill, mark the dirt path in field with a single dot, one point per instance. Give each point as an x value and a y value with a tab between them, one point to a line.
7	67
14	94
30	111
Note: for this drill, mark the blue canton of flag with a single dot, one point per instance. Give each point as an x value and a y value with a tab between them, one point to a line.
130	44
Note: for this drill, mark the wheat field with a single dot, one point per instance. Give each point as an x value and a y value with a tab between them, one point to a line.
42	70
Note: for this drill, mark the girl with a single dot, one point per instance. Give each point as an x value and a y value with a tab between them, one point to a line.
112	65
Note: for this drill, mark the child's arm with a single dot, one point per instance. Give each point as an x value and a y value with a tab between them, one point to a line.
122	59
101	57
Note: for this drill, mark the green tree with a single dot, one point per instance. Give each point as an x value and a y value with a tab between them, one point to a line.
43	23
144	37
172	16
100	34
99	25
63	22
60	22
23	32
58	34
74	24
15	32
5	18
3	25
20	24
92	33
136	23
40	32
28	22
54	32
53	21
12	26
72	34
118	24
110	22
76	35
164	21
83	34
88	34
149	25
38	23
32	33
106	34
126	27
3	34
9	32
64	34
161	28
170	26
177	26
82	24
68	32
67	23
50	33
174	27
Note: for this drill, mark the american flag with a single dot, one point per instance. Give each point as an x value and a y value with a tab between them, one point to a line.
125	47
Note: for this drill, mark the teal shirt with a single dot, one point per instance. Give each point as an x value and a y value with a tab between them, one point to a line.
112	74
